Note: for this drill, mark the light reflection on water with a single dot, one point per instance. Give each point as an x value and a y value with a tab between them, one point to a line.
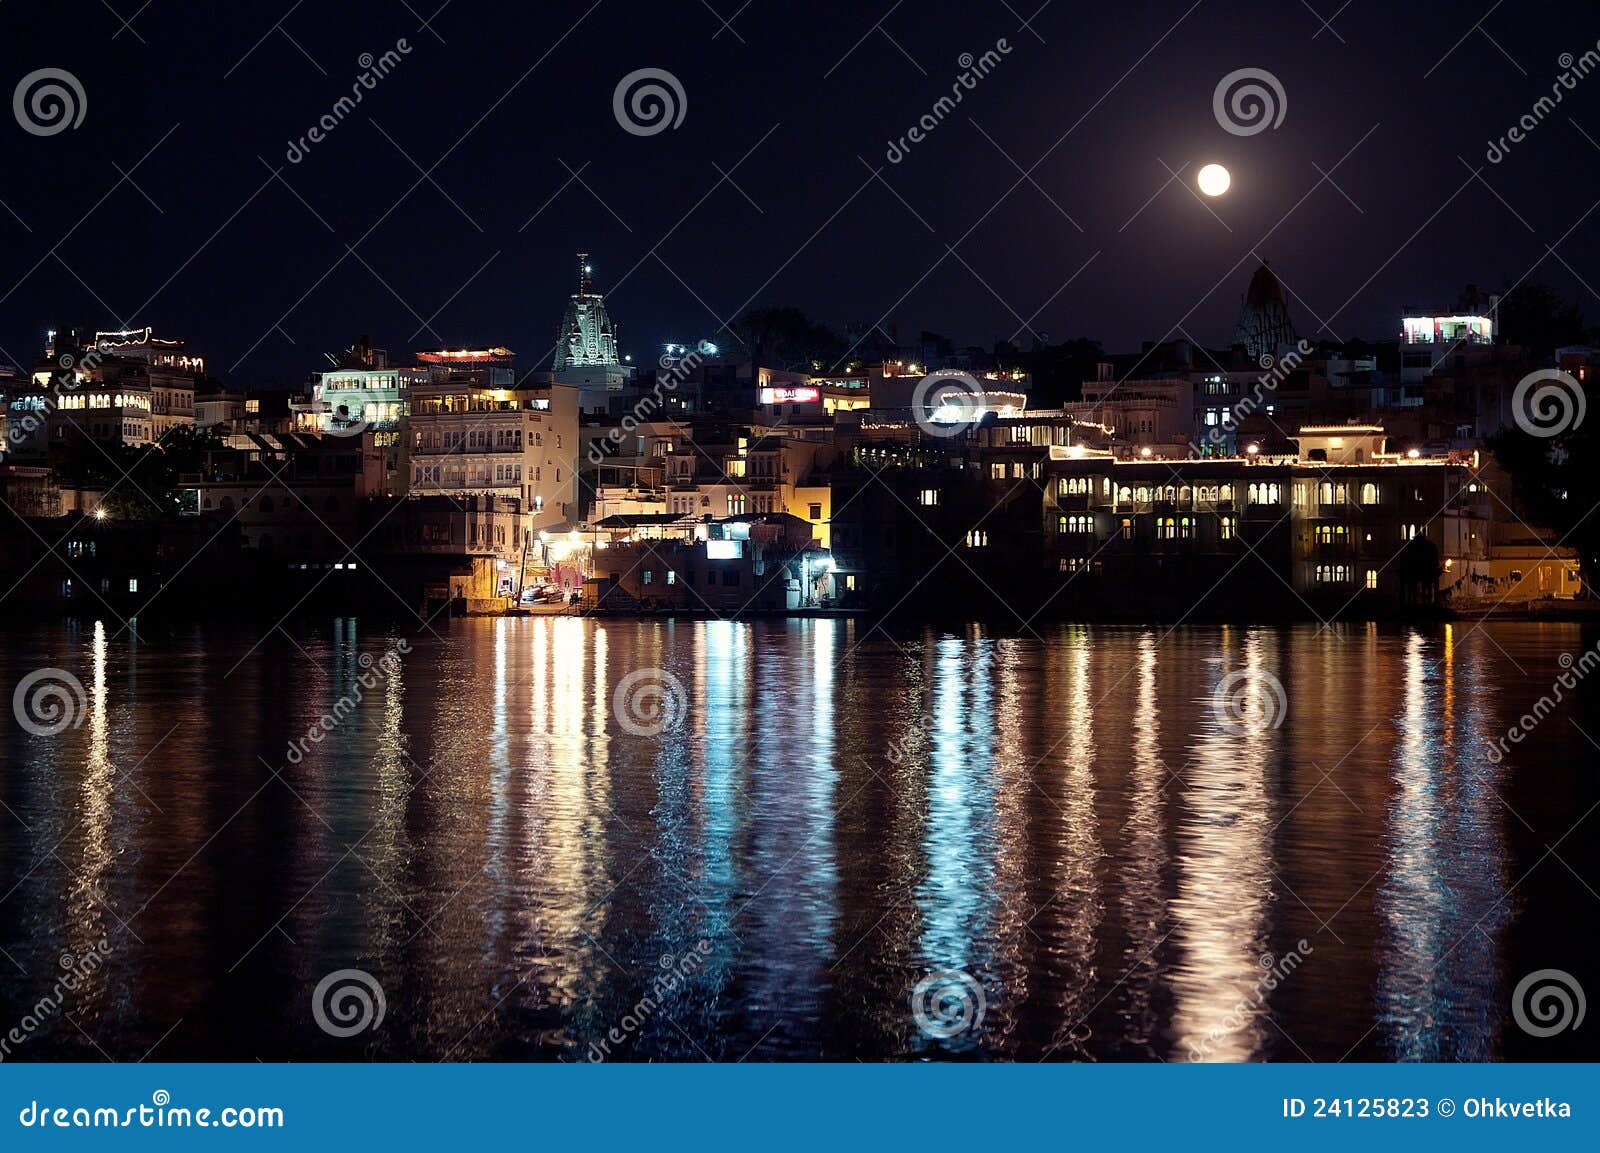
838	814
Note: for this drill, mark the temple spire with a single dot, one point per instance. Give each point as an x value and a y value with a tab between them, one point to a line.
585	284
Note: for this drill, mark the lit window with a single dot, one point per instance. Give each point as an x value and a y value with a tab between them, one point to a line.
977	538
1372	578
928	497
133	585
1227	527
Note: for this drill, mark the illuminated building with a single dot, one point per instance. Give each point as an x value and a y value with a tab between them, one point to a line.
124	387
472	430
1043	514
757	563
170	372
1433	341
364	393
586	345
1264	327
710	469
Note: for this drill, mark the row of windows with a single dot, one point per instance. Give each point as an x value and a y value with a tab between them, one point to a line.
1174	494
106	400
730	576
1181	528
475	473
1017	470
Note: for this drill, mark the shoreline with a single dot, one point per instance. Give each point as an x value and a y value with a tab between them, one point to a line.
1580	612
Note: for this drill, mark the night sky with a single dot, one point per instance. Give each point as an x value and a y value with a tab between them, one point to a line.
791	101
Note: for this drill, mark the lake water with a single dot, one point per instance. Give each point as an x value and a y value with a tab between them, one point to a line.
1090	857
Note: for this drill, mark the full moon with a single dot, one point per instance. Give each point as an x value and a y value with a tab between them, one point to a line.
1214	180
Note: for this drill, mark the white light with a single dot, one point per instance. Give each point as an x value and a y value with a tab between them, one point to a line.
1253	449
1144	452
1214	180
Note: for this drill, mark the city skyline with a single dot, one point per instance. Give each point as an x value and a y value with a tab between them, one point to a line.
721	531
263	251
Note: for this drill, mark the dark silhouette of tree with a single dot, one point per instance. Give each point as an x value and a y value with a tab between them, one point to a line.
1554	483
1539	319
1418	570
789	339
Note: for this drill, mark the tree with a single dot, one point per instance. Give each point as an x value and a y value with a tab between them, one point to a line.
787	338
1537	318
1553	483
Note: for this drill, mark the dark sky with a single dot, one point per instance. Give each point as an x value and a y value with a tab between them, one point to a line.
237	264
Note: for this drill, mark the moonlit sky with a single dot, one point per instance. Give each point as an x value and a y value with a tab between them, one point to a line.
237	264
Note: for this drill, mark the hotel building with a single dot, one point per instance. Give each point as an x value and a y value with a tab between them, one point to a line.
472	430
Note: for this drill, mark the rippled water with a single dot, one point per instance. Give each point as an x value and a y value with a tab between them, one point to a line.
838	813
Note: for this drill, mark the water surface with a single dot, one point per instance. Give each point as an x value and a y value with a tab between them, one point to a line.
1064	818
